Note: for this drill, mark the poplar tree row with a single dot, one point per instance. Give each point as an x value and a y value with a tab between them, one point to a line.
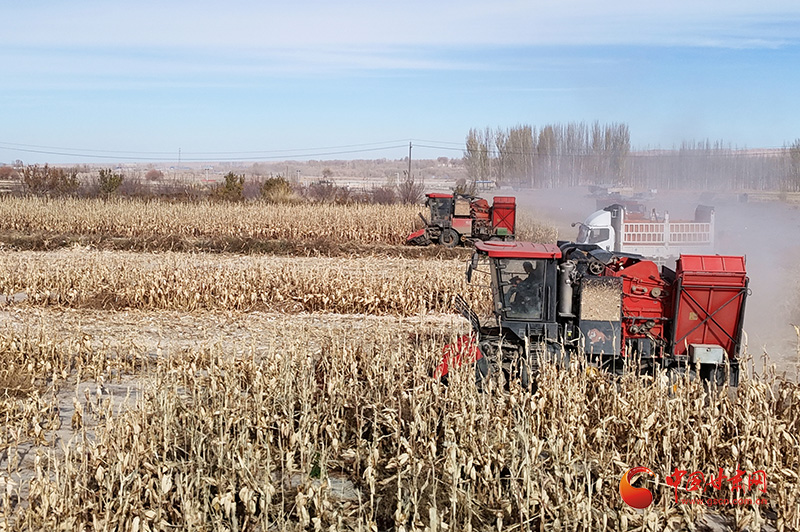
576	154
555	155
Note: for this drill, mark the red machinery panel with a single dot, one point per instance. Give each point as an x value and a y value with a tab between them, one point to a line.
518	250
709	302
645	301
463	226
504	213
480	209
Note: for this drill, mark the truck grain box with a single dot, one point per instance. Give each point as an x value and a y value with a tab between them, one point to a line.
623	229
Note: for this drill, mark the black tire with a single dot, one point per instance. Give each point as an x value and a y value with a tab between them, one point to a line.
715	374
449	238
482	371
677	373
420	241
507	364
556	355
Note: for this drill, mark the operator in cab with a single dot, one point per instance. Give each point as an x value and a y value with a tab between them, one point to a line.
526	293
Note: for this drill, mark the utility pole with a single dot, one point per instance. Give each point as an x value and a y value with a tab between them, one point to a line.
409	161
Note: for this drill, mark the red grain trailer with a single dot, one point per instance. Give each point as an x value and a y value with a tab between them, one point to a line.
708	302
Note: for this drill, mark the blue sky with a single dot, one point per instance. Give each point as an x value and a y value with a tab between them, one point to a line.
91	81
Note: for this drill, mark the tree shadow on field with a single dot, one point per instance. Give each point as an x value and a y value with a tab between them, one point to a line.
228	244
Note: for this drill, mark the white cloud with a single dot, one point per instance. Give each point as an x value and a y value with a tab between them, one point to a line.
76	68
380	23
148	43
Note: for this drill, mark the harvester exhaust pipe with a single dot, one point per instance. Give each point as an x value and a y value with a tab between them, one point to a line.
565	288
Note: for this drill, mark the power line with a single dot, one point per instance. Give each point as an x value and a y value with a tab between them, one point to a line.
439	142
252	152
376	145
349	149
438	147
279	154
22	147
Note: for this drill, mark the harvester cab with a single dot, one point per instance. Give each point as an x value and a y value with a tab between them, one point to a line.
523	278
441	208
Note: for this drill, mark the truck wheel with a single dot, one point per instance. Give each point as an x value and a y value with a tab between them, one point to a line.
449	238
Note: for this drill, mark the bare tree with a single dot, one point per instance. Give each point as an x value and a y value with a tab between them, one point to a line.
476	155
48	180
794	166
410	192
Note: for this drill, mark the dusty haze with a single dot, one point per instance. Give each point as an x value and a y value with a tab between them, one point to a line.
767	233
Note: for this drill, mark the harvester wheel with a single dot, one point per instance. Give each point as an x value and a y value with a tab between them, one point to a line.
505	362
420	240
449	238
714	375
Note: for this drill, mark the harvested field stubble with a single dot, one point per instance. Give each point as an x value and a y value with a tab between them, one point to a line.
81	278
354	434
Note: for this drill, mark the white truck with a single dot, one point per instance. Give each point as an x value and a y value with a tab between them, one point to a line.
629	229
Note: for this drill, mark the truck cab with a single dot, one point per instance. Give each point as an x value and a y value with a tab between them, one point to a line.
597	229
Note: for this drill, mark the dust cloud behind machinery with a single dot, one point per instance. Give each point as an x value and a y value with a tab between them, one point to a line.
767	233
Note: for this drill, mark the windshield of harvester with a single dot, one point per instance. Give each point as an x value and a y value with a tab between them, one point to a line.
522	282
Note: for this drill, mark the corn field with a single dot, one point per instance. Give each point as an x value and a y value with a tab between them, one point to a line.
164	225
351	433
147	219
218	391
113	280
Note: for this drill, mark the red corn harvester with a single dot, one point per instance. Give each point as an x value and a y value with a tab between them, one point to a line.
554	303
463	219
